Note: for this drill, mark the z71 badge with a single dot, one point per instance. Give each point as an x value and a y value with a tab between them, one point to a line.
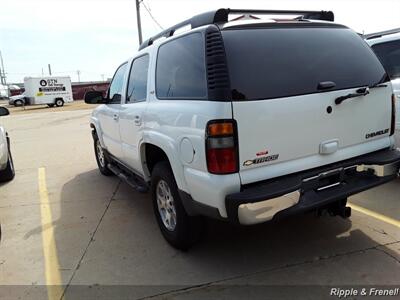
261	160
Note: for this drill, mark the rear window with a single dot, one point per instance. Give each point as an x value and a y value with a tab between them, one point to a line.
389	55
267	63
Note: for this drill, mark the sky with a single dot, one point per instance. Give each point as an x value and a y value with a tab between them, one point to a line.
95	36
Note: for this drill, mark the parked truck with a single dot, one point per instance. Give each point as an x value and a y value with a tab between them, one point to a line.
44	90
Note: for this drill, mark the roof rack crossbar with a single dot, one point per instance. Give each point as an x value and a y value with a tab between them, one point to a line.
381	33
221	16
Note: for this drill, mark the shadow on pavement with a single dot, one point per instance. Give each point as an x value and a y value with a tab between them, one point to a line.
128	249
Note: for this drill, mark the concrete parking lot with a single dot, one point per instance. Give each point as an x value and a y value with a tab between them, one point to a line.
66	226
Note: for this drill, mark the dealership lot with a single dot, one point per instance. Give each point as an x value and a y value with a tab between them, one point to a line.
63	223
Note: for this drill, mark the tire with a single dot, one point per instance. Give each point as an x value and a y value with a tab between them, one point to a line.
9	172
50	105
101	158
179	229
59	102
18	103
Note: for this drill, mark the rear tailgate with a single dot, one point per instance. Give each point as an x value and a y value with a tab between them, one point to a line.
288	135
285	109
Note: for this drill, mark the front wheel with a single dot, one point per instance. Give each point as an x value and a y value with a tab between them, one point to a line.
101	158
178	228
9	172
18	103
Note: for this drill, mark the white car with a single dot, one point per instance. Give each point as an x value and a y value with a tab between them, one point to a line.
7	171
386	45
247	121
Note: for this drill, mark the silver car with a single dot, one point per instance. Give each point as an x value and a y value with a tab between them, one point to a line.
18	100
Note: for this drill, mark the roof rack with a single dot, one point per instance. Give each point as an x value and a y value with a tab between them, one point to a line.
221	16
375	35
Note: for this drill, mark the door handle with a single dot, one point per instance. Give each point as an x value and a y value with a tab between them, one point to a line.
137	120
115	117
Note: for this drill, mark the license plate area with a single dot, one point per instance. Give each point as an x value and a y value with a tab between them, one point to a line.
328	179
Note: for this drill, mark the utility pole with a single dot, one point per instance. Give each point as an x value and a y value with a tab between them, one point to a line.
2	71
42	72
49	69
102	76
79	75
138	21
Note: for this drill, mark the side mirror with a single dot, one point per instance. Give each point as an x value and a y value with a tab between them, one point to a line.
116	98
94	97
4	111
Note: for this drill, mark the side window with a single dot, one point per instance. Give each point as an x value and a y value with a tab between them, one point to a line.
389	55
137	85
181	72
117	83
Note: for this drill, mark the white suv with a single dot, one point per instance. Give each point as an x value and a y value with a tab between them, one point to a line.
7	171
386	45
247	121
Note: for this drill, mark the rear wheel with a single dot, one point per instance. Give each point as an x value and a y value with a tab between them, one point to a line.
178	228
8	173
59	102
101	158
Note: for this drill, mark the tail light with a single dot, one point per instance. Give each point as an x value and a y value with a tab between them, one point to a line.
393	121
221	147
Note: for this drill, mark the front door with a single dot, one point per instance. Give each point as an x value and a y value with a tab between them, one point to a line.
109	117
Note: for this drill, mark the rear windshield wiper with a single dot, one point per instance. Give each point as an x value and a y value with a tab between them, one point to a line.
359	92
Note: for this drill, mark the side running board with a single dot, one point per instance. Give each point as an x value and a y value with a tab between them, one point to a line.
130	178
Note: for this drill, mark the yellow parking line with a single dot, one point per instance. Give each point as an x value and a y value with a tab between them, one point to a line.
375	215
52	270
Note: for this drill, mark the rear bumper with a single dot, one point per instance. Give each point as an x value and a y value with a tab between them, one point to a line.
311	189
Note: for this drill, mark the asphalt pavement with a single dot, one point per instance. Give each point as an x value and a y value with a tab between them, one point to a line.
66	226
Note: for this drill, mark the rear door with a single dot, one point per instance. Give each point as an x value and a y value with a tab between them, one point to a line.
284	82
131	114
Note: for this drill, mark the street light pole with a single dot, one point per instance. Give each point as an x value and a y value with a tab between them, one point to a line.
2	71
138	21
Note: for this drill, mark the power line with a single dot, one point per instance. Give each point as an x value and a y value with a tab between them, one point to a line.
148	10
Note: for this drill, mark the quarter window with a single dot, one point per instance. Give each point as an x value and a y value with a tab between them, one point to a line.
181	70
137	86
